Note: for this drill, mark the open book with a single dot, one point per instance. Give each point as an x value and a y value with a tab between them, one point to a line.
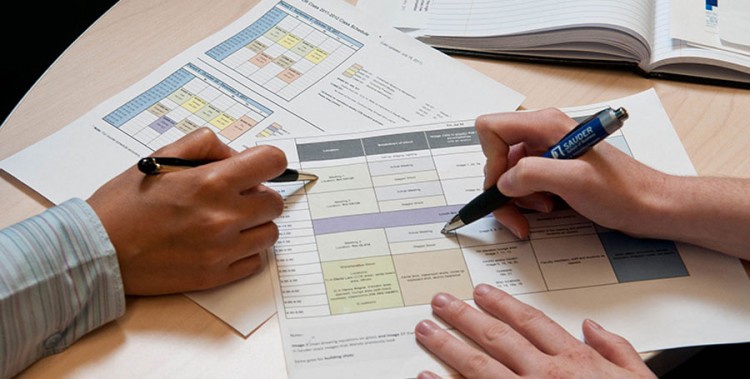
636	34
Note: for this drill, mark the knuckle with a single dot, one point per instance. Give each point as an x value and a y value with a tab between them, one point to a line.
530	316
459	309
497	332
476	365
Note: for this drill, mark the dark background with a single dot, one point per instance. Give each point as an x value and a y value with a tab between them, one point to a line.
41	31
34	34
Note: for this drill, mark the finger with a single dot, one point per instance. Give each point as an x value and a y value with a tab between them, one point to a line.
428	375
244	268
613	347
538	130
465	359
257	206
200	144
533	132
253	166
510	217
531	323
494	336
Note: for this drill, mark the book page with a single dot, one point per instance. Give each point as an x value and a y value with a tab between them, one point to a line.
402	14
285	68
734	30
669	53
477	18
363	253
698	22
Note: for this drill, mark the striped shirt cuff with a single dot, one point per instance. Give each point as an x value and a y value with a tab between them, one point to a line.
59	279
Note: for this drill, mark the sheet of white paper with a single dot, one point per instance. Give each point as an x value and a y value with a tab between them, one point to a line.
701	23
401	14
365	254
292	68
734	29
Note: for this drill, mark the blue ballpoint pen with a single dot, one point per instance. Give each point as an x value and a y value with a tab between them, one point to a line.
586	134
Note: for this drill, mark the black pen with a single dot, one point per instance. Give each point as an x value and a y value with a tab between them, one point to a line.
160	165
586	134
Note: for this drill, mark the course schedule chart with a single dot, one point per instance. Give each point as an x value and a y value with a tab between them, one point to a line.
285	51
366	235
187	99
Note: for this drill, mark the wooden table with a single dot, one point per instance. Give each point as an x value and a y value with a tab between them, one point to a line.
170	336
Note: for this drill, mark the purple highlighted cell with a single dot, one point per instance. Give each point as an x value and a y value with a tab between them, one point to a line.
385	219
162	124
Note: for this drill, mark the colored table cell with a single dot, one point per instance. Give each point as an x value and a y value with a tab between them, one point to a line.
275	34
256	46
289	75
208	112
222	121
180	96
288	41
261	59
316	56
186	126
237	128
194	104
284	61
158	109
361	285
162	124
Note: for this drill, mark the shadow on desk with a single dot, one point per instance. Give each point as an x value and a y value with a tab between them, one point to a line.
720	361
31	52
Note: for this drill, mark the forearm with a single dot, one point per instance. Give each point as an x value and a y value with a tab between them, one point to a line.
59	280
705	211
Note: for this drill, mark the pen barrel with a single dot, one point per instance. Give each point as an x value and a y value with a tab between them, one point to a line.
477	208
587	134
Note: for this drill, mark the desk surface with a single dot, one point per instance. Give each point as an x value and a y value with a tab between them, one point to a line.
170	336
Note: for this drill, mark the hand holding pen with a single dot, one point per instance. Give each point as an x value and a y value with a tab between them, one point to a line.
196	229
514	144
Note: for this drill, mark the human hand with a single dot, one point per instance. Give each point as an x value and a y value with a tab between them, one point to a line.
197	228
518	340
605	185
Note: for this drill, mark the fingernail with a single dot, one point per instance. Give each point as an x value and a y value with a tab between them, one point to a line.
440	300
594	324
481	290
427	375
425	328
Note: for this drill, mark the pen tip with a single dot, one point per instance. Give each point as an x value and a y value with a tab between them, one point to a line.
452	225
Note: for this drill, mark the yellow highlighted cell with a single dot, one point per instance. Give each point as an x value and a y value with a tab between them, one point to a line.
194	104
316	56
288	41
222	121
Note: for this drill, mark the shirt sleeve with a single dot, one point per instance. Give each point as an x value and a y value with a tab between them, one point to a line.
59	279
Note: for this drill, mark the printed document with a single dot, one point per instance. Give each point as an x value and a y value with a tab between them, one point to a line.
361	253
285	68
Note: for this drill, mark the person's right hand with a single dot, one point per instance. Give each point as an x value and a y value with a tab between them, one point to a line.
605	185
196	228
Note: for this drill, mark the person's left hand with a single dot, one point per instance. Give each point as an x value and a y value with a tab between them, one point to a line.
518	340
